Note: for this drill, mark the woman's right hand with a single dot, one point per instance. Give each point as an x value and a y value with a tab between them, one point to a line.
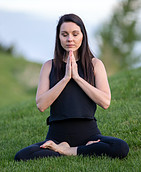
68	68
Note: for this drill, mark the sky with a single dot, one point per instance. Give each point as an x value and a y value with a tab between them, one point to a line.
90	9
30	24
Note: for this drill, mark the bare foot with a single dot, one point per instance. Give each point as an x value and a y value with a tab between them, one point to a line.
63	148
90	142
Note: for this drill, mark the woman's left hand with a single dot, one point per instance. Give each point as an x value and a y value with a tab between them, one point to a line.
74	67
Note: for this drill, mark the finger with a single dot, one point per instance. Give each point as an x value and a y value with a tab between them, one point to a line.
91	142
70	53
97	141
73	58
42	146
45	145
68	59
69	62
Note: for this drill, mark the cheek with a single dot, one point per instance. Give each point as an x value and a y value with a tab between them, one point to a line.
61	40
80	41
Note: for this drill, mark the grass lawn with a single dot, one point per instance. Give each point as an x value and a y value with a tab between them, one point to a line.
22	125
18	79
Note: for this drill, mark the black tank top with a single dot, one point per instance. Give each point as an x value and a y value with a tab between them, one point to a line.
73	102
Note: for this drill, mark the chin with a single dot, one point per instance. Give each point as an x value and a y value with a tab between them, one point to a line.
71	49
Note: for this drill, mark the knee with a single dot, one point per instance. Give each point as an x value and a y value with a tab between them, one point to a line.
122	149
23	155
18	156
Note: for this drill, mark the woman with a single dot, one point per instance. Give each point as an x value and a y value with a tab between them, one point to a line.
72	84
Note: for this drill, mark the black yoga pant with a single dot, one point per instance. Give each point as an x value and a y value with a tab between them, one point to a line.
77	133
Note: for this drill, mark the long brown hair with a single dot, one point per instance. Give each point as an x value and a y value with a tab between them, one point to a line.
84	53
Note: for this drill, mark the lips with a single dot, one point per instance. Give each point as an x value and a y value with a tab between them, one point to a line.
70	45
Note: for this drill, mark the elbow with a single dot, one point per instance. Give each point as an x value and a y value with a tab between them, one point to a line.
106	104
39	105
40	108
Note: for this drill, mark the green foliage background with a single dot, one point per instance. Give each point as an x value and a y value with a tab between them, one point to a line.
118	37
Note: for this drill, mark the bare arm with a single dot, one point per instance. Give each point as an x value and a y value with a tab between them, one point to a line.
100	94
45	96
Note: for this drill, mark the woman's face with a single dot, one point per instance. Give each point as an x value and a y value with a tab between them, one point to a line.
70	36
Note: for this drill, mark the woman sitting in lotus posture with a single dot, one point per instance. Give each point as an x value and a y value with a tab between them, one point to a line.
73	84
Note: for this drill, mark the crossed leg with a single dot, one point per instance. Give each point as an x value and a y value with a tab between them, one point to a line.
34	151
100	145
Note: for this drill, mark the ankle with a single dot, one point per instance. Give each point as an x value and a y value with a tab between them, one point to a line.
72	151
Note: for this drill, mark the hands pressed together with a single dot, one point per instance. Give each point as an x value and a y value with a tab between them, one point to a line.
71	67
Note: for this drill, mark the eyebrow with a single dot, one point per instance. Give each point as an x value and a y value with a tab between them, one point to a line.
72	31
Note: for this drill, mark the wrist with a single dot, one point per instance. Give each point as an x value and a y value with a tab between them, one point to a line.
76	78
66	79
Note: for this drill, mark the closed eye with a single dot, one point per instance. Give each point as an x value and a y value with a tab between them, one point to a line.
64	35
75	34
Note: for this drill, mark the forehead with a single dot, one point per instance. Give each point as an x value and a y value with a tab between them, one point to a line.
69	26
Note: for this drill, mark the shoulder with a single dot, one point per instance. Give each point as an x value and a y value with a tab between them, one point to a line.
47	63
46	67
97	64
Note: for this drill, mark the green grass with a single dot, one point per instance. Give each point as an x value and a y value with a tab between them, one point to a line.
18	79
22	124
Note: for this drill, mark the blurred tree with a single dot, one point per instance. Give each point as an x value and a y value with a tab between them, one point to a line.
9	49
118	37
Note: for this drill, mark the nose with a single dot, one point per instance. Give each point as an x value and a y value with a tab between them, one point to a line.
69	38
